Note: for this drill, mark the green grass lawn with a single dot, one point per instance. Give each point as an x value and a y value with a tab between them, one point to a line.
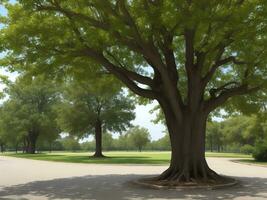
115	157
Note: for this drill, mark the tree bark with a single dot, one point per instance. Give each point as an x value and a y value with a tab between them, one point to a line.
211	144
188	163
16	147
98	139
25	145
2	148
50	147
32	139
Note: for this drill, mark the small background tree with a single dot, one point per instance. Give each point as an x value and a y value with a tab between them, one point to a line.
94	106
139	137
70	144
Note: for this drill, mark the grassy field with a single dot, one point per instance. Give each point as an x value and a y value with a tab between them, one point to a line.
115	157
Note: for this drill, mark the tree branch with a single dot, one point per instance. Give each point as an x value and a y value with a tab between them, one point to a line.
166	47
214	102
170	61
130	22
220	48
214	91
218	64
189	49
132	75
122	74
57	8
134	41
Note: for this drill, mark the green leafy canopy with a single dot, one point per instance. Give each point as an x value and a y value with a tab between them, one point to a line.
85	102
29	107
151	46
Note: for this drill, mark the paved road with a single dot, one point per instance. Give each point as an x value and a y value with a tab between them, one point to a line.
29	179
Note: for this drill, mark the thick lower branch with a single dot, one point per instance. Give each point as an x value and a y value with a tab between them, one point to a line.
214	102
119	73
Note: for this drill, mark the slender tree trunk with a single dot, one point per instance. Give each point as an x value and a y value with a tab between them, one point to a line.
16	147
211	146
2	148
98	139
25	145
50	147
32	139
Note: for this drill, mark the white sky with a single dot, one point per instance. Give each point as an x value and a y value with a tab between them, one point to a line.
144	117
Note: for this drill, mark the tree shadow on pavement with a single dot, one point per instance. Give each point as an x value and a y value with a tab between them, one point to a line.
117	187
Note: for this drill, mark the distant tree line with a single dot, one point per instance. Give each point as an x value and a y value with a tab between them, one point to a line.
236	134
240	134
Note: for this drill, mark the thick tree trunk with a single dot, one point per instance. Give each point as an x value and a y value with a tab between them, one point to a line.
98	139
188	163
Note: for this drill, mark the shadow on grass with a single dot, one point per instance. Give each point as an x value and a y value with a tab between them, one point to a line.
117	187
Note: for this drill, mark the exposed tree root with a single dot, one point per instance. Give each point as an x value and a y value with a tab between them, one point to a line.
194	176
98	156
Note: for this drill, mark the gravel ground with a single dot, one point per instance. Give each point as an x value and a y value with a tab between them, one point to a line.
30	179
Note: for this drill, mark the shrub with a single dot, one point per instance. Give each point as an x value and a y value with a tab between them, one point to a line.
260	152
247	149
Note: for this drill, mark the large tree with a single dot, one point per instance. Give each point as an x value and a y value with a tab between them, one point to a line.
91	106
192	56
